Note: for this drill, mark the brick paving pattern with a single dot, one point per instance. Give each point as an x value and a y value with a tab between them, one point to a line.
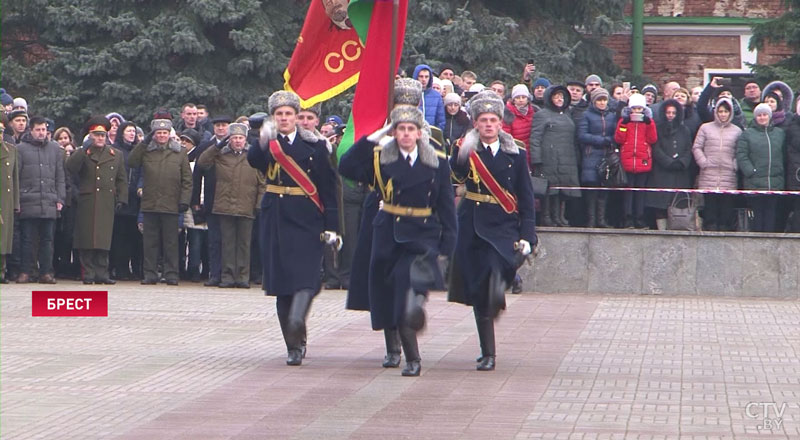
196	363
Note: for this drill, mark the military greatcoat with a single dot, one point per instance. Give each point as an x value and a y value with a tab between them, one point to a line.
486	233
102	183
9	199
398	240
290	225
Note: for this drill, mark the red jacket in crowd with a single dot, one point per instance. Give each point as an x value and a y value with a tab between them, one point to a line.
636	141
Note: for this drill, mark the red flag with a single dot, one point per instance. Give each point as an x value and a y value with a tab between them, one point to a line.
372	93
327	58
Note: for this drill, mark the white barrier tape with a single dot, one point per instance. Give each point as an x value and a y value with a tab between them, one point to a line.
684	190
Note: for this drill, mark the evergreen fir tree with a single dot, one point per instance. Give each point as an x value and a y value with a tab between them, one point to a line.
73	58
786	29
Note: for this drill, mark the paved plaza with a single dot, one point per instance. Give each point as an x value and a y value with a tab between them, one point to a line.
190	362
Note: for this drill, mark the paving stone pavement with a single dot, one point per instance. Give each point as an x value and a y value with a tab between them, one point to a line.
190	362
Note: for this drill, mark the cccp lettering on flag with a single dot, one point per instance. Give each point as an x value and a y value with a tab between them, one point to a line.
327	58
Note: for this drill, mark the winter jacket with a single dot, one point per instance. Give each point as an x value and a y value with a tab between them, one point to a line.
553	154
518	125
41	177
714	151
166	175
793	155
672	156
706	109
596	137
783	116
238	185
636	141
132	208
455	127
432	105
759	156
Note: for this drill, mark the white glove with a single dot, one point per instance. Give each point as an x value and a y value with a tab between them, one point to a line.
268	133
524	247
380	133
463	153
333	239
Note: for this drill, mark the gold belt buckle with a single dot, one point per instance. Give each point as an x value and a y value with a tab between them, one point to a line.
409	211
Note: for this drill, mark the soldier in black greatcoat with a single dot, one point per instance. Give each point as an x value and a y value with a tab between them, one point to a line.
496	225
298	209
415	226
407	91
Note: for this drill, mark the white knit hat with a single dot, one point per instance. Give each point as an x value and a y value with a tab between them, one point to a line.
452	98
637	100
762	108
519	90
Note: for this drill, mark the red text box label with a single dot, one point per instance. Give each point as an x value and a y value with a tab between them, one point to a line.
69	303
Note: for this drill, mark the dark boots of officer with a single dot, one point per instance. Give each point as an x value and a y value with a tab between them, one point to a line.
408	338
485	325
292	314
392	337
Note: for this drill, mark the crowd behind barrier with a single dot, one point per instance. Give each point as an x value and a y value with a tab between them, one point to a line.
190	211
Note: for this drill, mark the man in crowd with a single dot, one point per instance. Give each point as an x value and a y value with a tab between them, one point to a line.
166	192
298	212
189	119
539	87
496	219
432	105
202	200
9	201
42	195
237	191
103	187
19	124
752	97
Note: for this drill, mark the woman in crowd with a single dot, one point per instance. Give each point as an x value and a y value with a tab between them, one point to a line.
636	134
456	121
65	260
759	154
672	155
553	154
778	95
793	166
126	241
596	136
518	115
691	119
714	151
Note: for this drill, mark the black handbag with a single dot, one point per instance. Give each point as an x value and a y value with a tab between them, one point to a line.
540	185
610	170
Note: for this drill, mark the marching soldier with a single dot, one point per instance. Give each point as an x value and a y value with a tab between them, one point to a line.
166	191
414	226
298	212
9	172
407	91
496	218
237	190
103	186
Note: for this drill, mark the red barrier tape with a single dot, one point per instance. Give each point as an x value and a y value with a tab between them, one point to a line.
685	190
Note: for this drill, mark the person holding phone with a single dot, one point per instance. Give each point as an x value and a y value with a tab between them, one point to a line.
636	133
717	90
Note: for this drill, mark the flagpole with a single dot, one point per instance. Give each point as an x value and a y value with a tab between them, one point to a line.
393	56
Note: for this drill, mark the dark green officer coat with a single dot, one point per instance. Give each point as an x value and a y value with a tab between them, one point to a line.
102	183
9	199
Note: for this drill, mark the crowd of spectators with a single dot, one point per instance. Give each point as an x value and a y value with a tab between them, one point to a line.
192	209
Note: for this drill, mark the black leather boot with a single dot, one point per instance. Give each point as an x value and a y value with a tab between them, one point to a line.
591	209
555	207
562	208
294	356
415	310
296	325
485	325
408	338
392	337
545	211
602	221
497	293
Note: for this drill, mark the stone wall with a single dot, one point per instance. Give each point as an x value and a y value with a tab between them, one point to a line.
577	260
